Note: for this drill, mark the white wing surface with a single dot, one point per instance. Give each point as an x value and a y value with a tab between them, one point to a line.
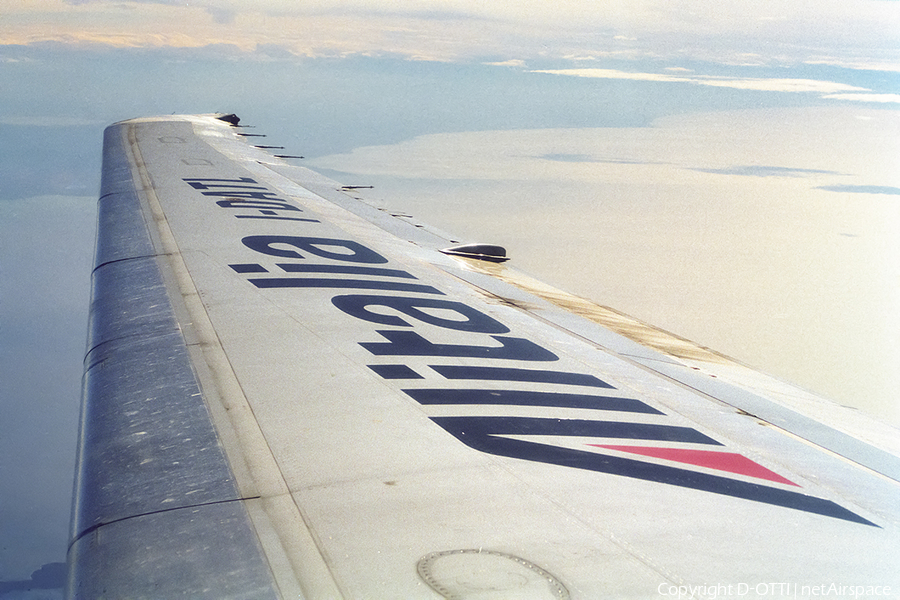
291	394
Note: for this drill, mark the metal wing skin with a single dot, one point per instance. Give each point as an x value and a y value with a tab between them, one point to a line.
289	393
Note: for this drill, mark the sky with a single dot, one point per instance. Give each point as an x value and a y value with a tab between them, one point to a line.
728	170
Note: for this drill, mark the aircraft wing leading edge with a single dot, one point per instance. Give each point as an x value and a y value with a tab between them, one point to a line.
289	393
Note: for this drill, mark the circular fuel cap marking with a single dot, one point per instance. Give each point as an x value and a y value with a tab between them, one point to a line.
488	575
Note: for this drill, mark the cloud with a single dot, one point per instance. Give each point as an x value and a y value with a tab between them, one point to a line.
881	98
747	83
767	171
862	189
613	74
472	30
850	63
508	63
587	158
779	85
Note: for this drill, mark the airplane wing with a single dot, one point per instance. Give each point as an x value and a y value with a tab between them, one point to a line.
289	393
